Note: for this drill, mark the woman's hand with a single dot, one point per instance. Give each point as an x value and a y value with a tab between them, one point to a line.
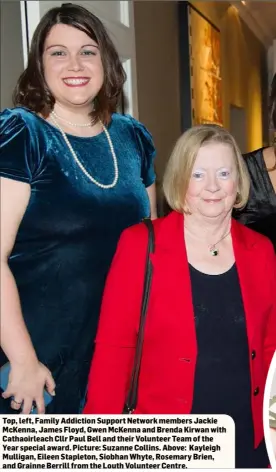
26	384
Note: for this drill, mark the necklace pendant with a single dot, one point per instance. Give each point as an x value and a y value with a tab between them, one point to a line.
214	251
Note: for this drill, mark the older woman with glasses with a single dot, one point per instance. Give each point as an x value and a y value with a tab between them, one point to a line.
210	330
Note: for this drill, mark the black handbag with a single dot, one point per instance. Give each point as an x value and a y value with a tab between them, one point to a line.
131	400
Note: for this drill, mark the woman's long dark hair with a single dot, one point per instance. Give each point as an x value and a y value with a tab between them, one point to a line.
272	104
31	90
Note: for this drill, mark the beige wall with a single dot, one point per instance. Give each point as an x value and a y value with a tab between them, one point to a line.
156	24
156	36
11	50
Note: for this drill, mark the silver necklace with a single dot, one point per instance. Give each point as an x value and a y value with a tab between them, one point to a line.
213	248
75	157
76	125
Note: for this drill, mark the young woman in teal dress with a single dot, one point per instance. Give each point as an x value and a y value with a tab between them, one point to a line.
74	175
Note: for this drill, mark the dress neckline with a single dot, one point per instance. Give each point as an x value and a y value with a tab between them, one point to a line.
71	136
210	276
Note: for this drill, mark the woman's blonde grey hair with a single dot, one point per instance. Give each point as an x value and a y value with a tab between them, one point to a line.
182	159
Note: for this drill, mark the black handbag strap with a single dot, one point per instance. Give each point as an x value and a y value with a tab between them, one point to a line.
131	400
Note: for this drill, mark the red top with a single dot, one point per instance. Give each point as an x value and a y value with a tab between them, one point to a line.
170	348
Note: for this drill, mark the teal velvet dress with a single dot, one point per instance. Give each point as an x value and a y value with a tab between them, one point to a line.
69	233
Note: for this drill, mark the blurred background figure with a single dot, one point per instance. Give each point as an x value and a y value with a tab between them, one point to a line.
260	212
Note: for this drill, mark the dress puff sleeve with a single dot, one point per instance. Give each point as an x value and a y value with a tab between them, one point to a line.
147	150
16	154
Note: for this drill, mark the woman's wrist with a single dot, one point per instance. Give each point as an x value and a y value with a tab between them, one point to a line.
27	358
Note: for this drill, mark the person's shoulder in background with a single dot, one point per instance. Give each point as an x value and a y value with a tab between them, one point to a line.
257	154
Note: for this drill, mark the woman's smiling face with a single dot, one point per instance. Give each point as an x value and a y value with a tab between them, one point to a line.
213	185
72	65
